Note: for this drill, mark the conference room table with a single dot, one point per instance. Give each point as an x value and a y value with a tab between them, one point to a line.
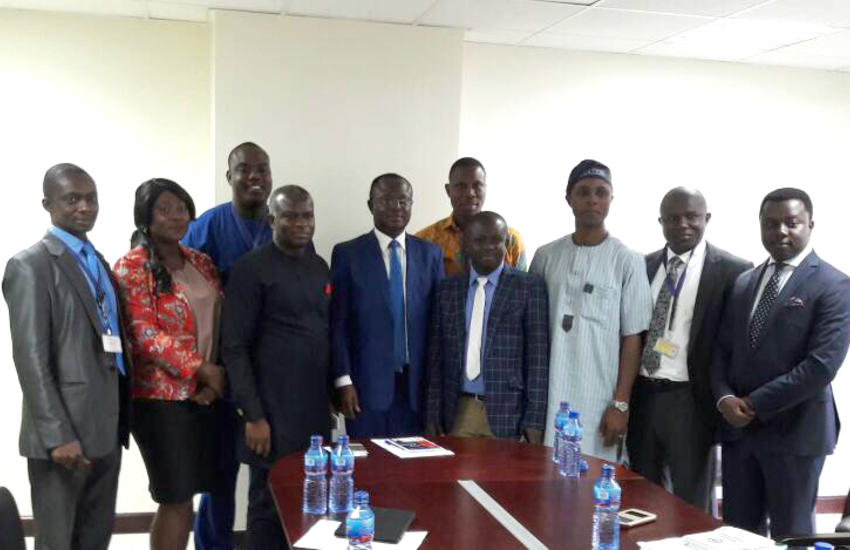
521	478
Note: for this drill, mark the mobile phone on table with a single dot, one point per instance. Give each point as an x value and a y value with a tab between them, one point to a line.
633	517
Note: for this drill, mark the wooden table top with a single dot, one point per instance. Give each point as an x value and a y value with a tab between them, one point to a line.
520	477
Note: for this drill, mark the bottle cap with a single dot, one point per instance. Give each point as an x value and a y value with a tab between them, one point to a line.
361	497
607	470
565	405
342	439
573	414
823	546
315	441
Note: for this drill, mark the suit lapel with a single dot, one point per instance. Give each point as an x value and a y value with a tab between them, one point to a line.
376	270
457	302
71	269
705	290
800	274
653	262
501	299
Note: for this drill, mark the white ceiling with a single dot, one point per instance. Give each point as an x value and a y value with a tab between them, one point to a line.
798	33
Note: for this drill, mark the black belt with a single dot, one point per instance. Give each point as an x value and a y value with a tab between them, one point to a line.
475	396
657	385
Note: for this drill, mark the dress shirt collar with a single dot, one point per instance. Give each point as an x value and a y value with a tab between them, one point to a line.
796	260
492	278
694	255
385	240
72	242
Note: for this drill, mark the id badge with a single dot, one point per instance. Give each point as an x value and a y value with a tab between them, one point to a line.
666	348
111	343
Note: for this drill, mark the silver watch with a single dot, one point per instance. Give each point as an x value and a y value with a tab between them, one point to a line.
622	406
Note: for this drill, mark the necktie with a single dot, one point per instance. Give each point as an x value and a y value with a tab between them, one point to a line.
397	306
651	359
768	297
476	331
92	263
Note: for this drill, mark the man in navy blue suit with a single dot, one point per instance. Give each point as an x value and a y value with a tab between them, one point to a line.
382	282
488	349
785	334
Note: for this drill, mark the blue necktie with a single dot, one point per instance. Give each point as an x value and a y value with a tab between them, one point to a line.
397	306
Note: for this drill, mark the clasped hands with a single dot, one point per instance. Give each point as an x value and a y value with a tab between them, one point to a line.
211	383
737	411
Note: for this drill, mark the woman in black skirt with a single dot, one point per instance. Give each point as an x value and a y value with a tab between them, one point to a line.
172	296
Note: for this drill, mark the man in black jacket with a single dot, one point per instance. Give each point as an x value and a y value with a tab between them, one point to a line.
673	414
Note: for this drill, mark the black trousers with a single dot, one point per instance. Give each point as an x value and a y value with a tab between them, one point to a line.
265	531
669	443
74	509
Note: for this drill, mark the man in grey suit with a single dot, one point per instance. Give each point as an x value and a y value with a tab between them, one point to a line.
68	349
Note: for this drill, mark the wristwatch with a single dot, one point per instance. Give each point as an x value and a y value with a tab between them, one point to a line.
622	406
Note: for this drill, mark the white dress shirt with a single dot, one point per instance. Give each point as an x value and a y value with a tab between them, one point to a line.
384	244
676	369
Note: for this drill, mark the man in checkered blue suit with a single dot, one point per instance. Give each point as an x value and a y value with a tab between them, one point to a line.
488	357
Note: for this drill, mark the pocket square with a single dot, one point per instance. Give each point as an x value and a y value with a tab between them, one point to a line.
793	301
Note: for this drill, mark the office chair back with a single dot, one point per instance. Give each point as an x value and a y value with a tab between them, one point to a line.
11	530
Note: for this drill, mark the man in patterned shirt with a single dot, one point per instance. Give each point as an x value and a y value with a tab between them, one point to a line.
467	188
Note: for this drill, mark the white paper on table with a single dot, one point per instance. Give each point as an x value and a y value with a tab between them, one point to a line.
722	538
321	537
404	453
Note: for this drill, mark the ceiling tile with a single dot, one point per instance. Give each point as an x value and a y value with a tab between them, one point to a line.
835	44
496	37
756	35
799	59
823	12
128	8
262	6
393	11
511	15
719	52
627	24
579	42
714	8
177	12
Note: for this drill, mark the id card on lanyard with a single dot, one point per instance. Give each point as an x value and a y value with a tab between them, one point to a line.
665	346
111	342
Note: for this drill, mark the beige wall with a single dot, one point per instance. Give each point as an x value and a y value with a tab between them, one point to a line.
735	131
125	99
337	103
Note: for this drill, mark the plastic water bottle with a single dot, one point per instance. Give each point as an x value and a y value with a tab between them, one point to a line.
569	463
360	523
560	420
315	480
342	477
606	522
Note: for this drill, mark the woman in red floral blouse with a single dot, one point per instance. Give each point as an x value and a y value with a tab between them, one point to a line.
171	294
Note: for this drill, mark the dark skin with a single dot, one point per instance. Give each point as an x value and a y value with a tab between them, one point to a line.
683	219
485	243
590	200
467	189
72	203
293	225
786	227
169	223
390	204
250	177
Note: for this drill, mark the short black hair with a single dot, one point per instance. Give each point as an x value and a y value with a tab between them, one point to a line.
291	193
244	145
388	175
466	162
787	194
486	216
588	168
57	171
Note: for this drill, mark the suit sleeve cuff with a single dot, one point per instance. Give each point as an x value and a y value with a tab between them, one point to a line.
719	401
344	380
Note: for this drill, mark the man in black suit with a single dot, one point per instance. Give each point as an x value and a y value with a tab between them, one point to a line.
70	354
785	335
276	349
673	415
